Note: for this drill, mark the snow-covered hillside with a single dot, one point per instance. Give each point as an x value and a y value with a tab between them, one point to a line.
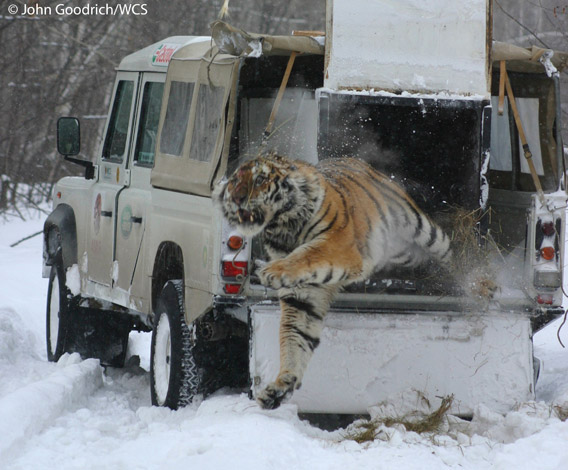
73	414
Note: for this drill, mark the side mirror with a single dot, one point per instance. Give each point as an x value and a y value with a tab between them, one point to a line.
69	143
68	136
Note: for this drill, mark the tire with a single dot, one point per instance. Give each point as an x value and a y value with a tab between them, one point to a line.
60	309
90	332
174	376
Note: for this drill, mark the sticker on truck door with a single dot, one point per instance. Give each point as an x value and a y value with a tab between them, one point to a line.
126	221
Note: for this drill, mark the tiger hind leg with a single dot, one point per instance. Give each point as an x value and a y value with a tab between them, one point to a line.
301	323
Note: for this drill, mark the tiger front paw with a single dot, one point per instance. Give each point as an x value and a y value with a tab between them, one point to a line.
271	397
276	275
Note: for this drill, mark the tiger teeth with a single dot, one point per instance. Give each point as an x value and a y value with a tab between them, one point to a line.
240	219
251	218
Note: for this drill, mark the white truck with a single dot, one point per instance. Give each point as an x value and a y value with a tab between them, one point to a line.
137	244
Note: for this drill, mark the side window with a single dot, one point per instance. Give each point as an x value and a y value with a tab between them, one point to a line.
508	166
209	111
177	117
148	127
116	138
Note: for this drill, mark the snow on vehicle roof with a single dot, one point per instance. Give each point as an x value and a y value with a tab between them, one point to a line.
156	57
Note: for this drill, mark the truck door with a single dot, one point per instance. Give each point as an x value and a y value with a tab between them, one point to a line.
112	179
135	197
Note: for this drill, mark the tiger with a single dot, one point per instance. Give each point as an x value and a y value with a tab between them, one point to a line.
323	227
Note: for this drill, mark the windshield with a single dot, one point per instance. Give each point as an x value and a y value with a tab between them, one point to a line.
116	139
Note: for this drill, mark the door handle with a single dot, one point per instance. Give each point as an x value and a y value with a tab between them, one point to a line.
136	220
106	213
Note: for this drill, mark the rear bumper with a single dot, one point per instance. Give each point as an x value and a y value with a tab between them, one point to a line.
365	359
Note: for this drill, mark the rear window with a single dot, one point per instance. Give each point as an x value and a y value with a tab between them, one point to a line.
208	116
509	167
177	118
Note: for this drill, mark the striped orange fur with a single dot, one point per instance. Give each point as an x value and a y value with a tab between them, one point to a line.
324	227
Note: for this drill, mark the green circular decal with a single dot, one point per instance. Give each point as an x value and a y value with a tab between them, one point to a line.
126	221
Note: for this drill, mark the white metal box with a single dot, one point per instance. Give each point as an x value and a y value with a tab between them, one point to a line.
366	359
426	46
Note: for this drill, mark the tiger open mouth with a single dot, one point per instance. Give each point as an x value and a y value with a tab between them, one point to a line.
245	216
250	217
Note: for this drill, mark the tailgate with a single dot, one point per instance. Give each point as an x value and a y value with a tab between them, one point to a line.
365	359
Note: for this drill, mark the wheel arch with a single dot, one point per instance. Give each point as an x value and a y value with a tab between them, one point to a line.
168	265
60	234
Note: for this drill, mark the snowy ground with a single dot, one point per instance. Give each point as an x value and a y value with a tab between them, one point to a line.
75	415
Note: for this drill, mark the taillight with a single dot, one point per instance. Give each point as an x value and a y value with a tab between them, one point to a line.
235	242
548	253
548	229
235	256
235	272
545	299
232	288
547	273
546	240
234	269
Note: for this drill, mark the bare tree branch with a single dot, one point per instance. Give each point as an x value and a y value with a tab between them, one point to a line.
532	33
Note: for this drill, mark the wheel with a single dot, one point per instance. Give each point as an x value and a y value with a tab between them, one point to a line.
60	308
90	332
174	376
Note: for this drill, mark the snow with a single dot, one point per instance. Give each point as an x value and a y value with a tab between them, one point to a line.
547	63
441	95
73	279
75	415
72	381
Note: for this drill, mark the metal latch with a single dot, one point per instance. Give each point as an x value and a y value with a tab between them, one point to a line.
126	178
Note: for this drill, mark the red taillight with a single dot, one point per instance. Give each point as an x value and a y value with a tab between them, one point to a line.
232	288
544	299
235	242
548	228
234	269
548	253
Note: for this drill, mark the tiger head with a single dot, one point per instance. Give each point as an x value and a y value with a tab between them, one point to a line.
262	189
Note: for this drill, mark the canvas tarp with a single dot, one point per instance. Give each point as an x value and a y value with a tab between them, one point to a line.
210	74
208	65
235	41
